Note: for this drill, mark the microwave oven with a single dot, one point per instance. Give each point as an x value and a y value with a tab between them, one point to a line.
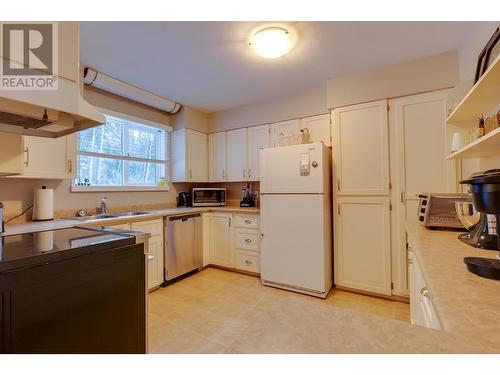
207	197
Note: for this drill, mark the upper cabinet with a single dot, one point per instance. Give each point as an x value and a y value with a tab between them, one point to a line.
318	127
49	157
10	154
258	139
237	155
361	149
37	157
217	157
283	128
189	156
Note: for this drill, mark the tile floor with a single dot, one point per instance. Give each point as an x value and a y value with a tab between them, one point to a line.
208	311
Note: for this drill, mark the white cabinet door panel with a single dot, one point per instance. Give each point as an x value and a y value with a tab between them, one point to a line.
155	262
361	149
237	155
197	155
362	244
284	128
221	246
217	157
45	157
258	139
319	128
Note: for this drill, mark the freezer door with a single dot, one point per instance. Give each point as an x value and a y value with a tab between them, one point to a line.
293	245
294	169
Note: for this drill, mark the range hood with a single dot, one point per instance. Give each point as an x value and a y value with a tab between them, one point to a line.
47	113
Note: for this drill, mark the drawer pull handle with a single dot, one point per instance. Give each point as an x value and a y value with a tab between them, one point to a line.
248	261
248	240
248	221
425	292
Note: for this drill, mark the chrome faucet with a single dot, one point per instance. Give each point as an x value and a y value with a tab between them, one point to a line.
104	206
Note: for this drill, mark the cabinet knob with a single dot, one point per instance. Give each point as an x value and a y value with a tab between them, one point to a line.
248	240
247	221
248	261
425	292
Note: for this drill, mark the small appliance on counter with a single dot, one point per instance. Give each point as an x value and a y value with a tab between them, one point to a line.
247	199
437	210
207	197
43	204
184	199
485	189
481	226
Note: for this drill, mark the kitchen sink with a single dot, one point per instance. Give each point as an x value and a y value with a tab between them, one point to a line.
111	216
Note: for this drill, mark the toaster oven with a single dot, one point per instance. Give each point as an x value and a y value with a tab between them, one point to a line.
206	197
437	210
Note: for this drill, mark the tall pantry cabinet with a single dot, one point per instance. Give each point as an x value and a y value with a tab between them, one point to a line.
361	183
385	153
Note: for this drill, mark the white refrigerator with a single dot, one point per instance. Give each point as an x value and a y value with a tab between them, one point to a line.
296	218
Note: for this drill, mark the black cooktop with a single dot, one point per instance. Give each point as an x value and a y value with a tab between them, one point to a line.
42	244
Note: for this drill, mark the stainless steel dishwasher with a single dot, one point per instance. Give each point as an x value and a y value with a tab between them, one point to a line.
184	245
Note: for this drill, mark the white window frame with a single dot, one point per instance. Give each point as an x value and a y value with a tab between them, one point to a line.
111	188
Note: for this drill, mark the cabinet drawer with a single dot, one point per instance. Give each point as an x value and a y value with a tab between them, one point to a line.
248	261
155	227
247	239
247	221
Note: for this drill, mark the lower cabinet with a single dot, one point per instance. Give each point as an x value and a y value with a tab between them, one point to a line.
155	256
362	244
221	249
233	241
421	307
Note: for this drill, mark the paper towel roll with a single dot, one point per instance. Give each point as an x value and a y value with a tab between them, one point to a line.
43	204
457	142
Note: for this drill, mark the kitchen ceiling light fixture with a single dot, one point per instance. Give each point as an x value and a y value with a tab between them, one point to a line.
271	42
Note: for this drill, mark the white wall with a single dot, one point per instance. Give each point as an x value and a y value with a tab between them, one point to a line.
473	43
303	104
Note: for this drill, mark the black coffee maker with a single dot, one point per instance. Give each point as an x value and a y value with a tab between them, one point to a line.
485	189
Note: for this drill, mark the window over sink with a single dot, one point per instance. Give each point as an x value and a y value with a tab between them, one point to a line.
125	154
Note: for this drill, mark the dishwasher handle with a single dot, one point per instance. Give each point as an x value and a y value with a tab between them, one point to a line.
183	217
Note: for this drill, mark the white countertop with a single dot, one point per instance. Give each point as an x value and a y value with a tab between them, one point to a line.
40	226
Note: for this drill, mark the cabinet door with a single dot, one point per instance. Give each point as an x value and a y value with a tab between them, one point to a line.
217	157
361	149
45	158
319	128
283	128
197	155
11	154
362	244
258	139
155	262
237	155
71	155
221	249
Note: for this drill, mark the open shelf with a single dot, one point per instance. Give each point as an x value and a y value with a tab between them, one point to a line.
483	96
485	146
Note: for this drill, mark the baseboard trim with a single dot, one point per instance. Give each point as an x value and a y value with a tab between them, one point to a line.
371	294
256	274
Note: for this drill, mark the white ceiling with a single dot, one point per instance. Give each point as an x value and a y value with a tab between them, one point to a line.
208	65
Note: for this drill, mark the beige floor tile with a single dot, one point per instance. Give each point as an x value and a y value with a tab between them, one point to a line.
211	311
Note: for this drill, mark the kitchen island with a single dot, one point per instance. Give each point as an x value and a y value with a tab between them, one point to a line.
73	290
